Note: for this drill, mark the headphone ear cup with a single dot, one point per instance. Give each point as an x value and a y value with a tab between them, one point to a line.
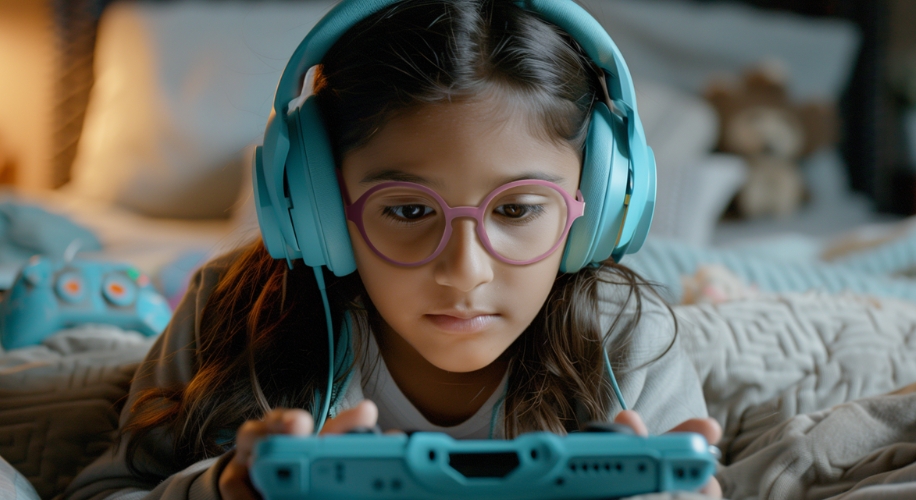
317	206
267	214
605	170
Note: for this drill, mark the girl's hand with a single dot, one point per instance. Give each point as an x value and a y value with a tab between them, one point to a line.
235	483
706	427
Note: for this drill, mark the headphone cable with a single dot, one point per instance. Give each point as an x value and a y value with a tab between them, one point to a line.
326	403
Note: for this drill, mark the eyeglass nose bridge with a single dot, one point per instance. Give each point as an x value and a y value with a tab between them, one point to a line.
474	213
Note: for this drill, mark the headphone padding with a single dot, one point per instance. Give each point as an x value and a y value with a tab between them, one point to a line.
317	213
603	185
267	216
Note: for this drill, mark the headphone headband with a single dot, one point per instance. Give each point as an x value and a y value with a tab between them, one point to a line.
566	14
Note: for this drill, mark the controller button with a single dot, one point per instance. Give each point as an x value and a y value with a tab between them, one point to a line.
70	287
119	291
378	485
396	484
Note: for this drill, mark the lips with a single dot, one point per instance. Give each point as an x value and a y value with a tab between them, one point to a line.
462	321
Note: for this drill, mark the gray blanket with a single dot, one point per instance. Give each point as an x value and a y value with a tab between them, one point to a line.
779	373
864	449
60	402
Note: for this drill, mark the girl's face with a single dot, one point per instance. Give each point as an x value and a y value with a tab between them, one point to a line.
464	308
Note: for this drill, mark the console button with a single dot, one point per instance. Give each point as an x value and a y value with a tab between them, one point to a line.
70	287
119	290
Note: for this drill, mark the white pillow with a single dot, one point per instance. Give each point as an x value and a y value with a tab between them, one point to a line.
181	89
686	43
694	186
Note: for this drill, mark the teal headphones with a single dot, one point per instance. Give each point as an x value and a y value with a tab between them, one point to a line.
298	200
618	173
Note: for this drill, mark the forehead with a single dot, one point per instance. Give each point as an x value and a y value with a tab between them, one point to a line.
476	144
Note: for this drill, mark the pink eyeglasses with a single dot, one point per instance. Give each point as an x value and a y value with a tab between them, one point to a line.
519	223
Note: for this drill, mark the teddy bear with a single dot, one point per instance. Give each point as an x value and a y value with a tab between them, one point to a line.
760	122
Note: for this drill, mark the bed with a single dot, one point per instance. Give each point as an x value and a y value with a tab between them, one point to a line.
800	329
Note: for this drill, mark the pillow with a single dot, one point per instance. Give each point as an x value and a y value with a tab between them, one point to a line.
694	187
685	43
181	89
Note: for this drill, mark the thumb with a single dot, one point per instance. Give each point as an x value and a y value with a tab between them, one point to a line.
365	414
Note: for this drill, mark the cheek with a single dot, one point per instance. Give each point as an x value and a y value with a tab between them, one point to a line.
388	286
525	289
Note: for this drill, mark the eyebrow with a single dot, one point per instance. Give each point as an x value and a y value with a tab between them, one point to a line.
397	176
400	176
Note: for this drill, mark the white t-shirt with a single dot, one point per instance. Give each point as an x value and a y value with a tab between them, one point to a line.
395	411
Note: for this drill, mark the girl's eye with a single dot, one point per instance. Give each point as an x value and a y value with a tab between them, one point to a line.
408	212
517	211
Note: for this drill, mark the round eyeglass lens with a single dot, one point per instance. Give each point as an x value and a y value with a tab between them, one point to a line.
403	224
525	222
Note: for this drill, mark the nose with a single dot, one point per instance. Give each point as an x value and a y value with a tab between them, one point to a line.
464	263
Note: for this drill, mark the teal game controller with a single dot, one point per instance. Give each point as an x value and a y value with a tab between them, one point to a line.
49	295
429	465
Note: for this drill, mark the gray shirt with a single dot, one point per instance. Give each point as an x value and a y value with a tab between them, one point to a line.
665	392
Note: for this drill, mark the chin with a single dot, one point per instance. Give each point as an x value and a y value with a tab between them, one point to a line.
463	362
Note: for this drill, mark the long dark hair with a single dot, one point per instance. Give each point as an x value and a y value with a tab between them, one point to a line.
413	53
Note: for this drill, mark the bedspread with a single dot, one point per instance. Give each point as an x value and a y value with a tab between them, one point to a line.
60	402
775	367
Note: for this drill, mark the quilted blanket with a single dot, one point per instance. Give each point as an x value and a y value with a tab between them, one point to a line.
59	404
786	376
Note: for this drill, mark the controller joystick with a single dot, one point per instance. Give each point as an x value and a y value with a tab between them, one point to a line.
49	295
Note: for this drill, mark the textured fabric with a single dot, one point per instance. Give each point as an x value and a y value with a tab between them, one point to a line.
396	412
13	485
665	262
772	368
59	402
859	450
894	257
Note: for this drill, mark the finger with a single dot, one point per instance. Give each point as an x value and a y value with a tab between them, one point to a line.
291	421
394	432
632	419
706	427
365	414
279	421
247	435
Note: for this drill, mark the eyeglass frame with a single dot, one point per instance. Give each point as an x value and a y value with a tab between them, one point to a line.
575	208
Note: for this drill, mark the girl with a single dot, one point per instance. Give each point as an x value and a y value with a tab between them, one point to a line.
467	328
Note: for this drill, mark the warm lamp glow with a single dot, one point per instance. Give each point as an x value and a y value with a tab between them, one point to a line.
26	84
